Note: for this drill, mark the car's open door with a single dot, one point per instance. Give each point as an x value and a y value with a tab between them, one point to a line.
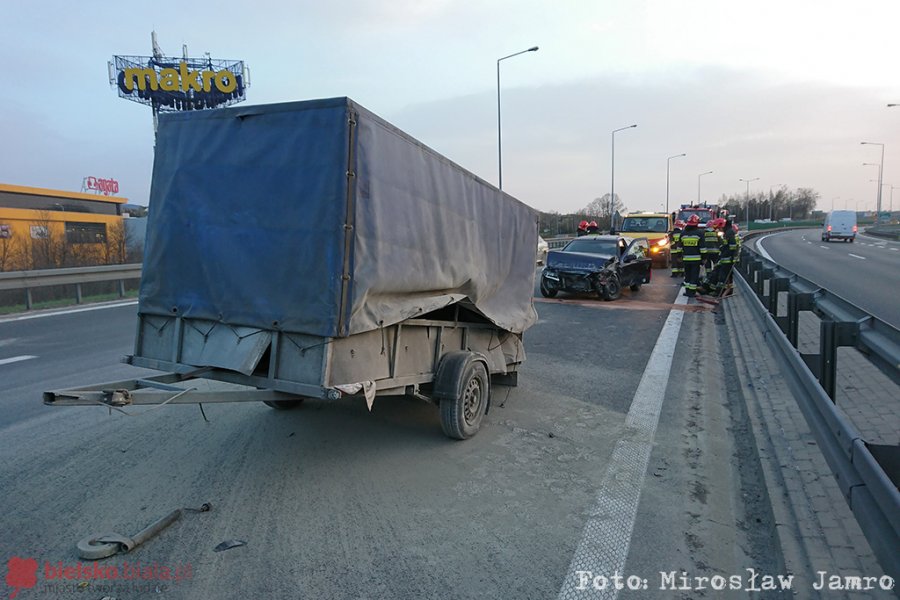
635	263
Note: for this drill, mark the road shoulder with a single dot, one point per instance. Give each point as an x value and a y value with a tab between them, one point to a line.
815	529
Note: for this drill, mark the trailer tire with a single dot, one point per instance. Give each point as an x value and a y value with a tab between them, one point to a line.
284	404
463	409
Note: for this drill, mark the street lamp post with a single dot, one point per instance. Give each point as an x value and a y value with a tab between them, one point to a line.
612	178
499	137
880	172
698	185
748	199
668	160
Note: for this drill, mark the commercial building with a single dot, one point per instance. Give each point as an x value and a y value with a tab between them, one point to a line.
42	228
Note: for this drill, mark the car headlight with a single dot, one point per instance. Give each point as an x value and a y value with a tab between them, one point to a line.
663	242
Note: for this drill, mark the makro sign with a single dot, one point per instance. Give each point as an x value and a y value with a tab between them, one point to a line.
169	84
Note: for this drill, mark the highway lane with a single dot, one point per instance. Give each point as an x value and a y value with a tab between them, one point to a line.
334	501
866	272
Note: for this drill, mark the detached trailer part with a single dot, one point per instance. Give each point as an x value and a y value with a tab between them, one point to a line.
313	250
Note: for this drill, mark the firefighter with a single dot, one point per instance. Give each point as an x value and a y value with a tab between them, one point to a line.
718	277
692	247
582	229
593	227
711	245
675	249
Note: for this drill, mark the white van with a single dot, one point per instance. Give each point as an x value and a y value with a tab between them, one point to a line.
839	225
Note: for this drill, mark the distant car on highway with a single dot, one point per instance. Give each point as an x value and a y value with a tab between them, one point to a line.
542	249
839	225
601	264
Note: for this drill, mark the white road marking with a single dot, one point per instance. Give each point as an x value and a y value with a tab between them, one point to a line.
894	249
857	256
15	359
762	250
825	247
607	534
67	311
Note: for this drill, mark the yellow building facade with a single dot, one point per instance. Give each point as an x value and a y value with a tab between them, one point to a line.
43	228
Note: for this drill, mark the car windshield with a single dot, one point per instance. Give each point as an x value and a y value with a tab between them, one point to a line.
645	224
705	215
594	246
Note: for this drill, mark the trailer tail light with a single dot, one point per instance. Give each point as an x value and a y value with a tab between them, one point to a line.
829	228
854	229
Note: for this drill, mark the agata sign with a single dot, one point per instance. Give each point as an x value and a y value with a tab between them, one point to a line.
102	186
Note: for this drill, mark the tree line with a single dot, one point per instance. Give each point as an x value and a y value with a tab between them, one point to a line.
783	203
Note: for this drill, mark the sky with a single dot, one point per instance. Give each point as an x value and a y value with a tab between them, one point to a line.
782	90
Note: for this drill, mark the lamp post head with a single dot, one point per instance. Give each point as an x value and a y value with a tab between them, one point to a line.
533	49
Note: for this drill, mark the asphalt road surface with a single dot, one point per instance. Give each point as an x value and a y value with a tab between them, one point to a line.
865	272
332	501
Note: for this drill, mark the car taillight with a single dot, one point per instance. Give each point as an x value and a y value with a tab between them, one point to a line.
829	228
854	228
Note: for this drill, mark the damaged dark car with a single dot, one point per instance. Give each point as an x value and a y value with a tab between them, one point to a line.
598	264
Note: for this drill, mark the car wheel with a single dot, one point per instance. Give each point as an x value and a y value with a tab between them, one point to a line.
850	240
546	291
612	290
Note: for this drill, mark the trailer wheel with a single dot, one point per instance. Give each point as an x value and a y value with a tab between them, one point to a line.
284	404
463	410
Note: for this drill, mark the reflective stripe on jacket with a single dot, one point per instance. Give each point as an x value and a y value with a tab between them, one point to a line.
692	243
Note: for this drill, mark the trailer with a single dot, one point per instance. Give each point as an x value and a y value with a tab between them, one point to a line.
312	250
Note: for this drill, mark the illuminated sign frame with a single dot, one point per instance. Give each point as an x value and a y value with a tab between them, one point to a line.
179	84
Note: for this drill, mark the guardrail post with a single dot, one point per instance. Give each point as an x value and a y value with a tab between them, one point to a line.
121	288
77	293
29	301
834	335
776	286
765	277
828	358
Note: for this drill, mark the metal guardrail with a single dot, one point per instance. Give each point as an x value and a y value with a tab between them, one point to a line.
558	242
77	276
867	473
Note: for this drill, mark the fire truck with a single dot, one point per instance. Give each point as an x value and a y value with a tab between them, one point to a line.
704	211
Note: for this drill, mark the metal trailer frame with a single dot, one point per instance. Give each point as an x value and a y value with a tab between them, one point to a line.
427	358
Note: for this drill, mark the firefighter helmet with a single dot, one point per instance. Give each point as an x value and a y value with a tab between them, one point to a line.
679	224
593	224
693	220
583	225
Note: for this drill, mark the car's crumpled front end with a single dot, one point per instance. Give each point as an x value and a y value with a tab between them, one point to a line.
577	273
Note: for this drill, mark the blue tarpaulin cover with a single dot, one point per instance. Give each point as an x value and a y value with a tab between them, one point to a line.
319	217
